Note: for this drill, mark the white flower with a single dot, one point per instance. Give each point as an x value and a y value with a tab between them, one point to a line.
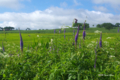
106	43
97	31
112	48
51	41
39	44
8	45
93	41
37	35
118	62
108	38
90	45
111	56
0	48
107	51
28	50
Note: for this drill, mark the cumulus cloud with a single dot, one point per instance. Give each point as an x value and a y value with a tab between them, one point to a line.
14	4
100	8
113	3
64	4
76	3
107	1
55	17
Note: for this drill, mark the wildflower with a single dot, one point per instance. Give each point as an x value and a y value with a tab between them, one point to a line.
73	44
84	34
108	38
106	43
21	42
76	37
64	36
97	31
73	32
112	48
76	20
64	30
118	29
95	55
3	47
37	35
54	31
111	56
80	44
90	45
39	44
0	48
59	30
100	43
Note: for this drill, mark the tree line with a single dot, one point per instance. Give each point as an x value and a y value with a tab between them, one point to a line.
7	28
108	25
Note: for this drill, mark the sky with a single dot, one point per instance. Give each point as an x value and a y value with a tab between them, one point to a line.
52	14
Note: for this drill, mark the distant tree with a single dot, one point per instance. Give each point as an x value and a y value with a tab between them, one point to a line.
93	25
76	24
1	28
99	26
108	26
28	29
8	28
117	24
86	25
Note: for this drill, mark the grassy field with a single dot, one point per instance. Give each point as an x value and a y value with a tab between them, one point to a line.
49	56
89	30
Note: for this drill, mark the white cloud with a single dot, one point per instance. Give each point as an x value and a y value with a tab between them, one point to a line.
76	3
14	4
107	1
113	3
55	17
100	8
64	4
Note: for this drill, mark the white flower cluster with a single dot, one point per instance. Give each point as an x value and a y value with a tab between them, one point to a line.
106	43
108	38
93	41
90	45
5	55
111	56
111	48
97	31
39	44
37	35
51	41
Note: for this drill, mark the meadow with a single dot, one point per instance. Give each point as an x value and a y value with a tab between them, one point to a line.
52	56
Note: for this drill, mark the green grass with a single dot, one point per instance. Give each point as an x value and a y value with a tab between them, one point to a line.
89	30
60	59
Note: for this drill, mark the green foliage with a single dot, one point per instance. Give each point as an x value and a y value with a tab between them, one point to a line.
107	26
8	28
86	25
99	26
117	24
51	57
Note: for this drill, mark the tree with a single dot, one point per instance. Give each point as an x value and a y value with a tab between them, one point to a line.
108	26
28	29
99	26
8	28
93	25
117	24
86	25
1	29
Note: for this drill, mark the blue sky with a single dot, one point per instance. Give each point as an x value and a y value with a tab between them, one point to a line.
50	14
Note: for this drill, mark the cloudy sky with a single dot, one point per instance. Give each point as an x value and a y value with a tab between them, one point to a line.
51	14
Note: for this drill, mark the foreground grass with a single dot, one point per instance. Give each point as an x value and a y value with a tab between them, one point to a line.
51	57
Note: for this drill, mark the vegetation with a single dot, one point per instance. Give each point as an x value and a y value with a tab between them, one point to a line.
52	57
